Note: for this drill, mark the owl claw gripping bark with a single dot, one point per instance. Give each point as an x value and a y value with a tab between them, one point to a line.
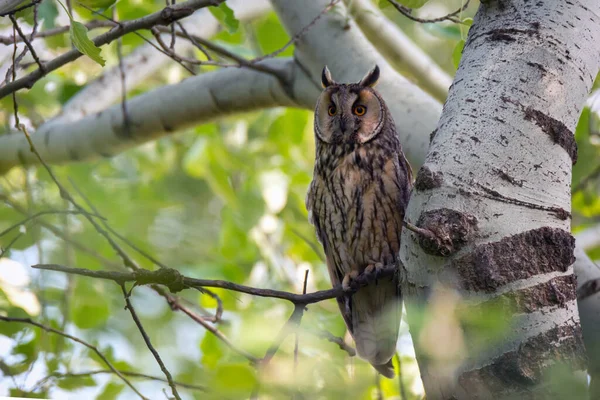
348	283
356	201
372	272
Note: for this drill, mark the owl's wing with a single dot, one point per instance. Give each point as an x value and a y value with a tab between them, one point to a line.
335	274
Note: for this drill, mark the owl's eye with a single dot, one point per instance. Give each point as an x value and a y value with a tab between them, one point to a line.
360	110
331	110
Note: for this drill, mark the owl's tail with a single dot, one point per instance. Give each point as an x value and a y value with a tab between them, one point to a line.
376	311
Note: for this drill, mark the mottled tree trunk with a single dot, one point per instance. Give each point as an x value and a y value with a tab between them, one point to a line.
495	187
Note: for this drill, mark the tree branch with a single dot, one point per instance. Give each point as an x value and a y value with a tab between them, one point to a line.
399	49
148	343
58	375
172	279
143	62
164	17
75	339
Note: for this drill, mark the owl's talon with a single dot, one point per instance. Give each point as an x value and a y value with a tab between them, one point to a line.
373	270
348	281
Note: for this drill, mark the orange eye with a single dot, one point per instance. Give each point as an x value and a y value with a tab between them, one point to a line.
360	110
331	110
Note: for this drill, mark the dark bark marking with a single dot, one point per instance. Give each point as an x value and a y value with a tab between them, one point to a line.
538	66
506	34
557	131
518	370
452	230
538	251
556	292
558	212
427	179
504	176
432	135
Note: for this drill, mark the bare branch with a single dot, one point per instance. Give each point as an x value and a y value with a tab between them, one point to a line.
75	339
407	12
95	24
27	43
172	279
41	213
404	54
58	375
148	343
323	334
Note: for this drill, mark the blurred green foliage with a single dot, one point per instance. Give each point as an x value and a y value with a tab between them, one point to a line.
220	201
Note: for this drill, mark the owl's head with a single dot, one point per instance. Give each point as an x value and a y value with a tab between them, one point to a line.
349	113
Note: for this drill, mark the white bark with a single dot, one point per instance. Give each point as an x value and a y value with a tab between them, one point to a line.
196	100
348	54
399	50
8	5
339	43
146	60
523	80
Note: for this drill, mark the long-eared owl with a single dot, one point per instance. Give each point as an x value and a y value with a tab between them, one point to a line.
356	201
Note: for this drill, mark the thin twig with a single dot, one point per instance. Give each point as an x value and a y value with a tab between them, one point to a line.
323	334
297	335
3	250
185	33
407	12
57	31
148	343
58	375
298	35
41	213
116	23
60	234
80	341
164	17
290	325
27	43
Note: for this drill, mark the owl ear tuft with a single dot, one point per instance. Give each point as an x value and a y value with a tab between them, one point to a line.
326	79
370	78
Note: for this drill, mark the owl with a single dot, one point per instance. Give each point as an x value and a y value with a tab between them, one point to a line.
356	201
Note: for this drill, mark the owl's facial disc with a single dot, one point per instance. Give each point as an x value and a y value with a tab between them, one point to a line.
348	114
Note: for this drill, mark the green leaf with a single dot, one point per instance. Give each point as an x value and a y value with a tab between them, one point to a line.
383	3
111	391
225	16
48	12
91	308
467	22
83	43
75	382
212	351
413	3
245	378
457	53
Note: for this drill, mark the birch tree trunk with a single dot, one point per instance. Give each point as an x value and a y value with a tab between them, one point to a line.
495	189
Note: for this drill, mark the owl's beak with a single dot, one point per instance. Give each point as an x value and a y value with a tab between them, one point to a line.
345	123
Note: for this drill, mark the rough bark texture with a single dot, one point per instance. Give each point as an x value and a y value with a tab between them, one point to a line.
505	145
